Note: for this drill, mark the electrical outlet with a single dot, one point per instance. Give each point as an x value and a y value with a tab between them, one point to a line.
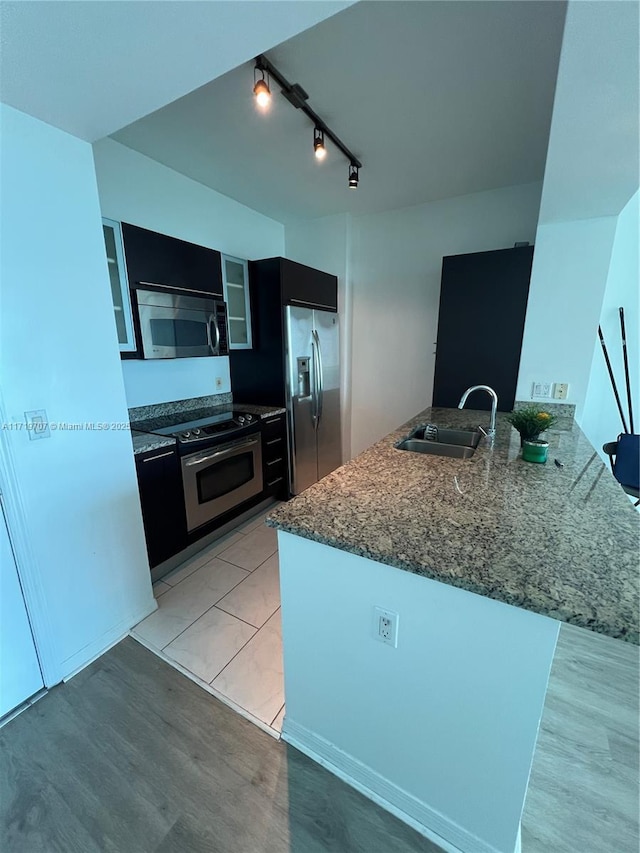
560	390
385	626
541	389
218	382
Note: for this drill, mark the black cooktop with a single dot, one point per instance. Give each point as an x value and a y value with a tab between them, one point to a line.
196	424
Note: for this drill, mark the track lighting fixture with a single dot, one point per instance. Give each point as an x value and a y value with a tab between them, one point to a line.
261	88
298	98
318	144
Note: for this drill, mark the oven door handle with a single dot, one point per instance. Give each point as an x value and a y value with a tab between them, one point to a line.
228	451
213	321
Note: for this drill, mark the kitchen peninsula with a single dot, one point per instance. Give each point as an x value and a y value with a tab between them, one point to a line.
481	560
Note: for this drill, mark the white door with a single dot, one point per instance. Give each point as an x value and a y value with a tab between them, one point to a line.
20	675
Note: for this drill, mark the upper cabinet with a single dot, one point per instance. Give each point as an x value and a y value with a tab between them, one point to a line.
308	287
154	258
119	285
235	280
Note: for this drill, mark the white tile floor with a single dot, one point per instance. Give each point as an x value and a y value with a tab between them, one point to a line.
218	621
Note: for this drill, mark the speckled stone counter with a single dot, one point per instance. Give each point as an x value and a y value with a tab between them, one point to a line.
563	542
262	411
173	407
144	441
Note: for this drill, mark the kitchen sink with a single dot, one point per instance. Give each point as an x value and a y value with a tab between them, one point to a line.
442	435
436	441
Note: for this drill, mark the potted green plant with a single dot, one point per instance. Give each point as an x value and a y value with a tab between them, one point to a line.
530	422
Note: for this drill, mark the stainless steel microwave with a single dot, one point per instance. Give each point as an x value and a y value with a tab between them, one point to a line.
181	325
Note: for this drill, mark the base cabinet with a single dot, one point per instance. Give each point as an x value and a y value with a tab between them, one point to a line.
275	466
162	502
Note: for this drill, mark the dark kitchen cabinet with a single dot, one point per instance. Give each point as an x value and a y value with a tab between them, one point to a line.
275	467
258	374
158	259
162	502
302	285
483	302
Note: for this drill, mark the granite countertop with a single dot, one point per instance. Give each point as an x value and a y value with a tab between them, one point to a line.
262	411
144	441
562	542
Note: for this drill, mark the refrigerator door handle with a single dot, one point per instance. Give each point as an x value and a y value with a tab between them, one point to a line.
314	377
320	388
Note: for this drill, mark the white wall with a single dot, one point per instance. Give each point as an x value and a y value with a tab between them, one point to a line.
59	352
568	278
444	726
592	159
135	189
600	419
591	172
396	269
324	244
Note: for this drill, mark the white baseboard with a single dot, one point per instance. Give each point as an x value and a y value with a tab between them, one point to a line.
80	660
439	829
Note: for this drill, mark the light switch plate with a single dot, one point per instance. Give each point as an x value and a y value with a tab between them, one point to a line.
541	390
37	424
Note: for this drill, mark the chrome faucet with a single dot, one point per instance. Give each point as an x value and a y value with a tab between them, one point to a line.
494	405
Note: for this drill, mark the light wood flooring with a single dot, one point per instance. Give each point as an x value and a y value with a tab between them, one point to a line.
130	756
583	793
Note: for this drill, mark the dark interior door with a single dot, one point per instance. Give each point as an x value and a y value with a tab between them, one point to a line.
483	302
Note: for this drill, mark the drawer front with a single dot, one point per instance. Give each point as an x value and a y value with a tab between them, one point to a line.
273	468
276	486
273	427
273	447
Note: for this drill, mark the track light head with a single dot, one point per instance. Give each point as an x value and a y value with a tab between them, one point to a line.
261	89
318	144
264	71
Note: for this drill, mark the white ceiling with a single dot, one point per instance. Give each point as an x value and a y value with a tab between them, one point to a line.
437	99
91	68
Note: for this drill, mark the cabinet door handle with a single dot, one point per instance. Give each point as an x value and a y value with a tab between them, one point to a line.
274	441
275	461
175	287
274	420
159	456
277	480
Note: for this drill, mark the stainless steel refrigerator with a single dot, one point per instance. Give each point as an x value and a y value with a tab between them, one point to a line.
312	348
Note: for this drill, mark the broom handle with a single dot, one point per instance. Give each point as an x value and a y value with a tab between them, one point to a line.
613	381
626	367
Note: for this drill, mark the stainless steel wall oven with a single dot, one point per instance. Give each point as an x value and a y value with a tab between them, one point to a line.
219	478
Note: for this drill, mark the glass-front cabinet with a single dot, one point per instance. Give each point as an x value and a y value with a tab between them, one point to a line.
119	284
235	281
